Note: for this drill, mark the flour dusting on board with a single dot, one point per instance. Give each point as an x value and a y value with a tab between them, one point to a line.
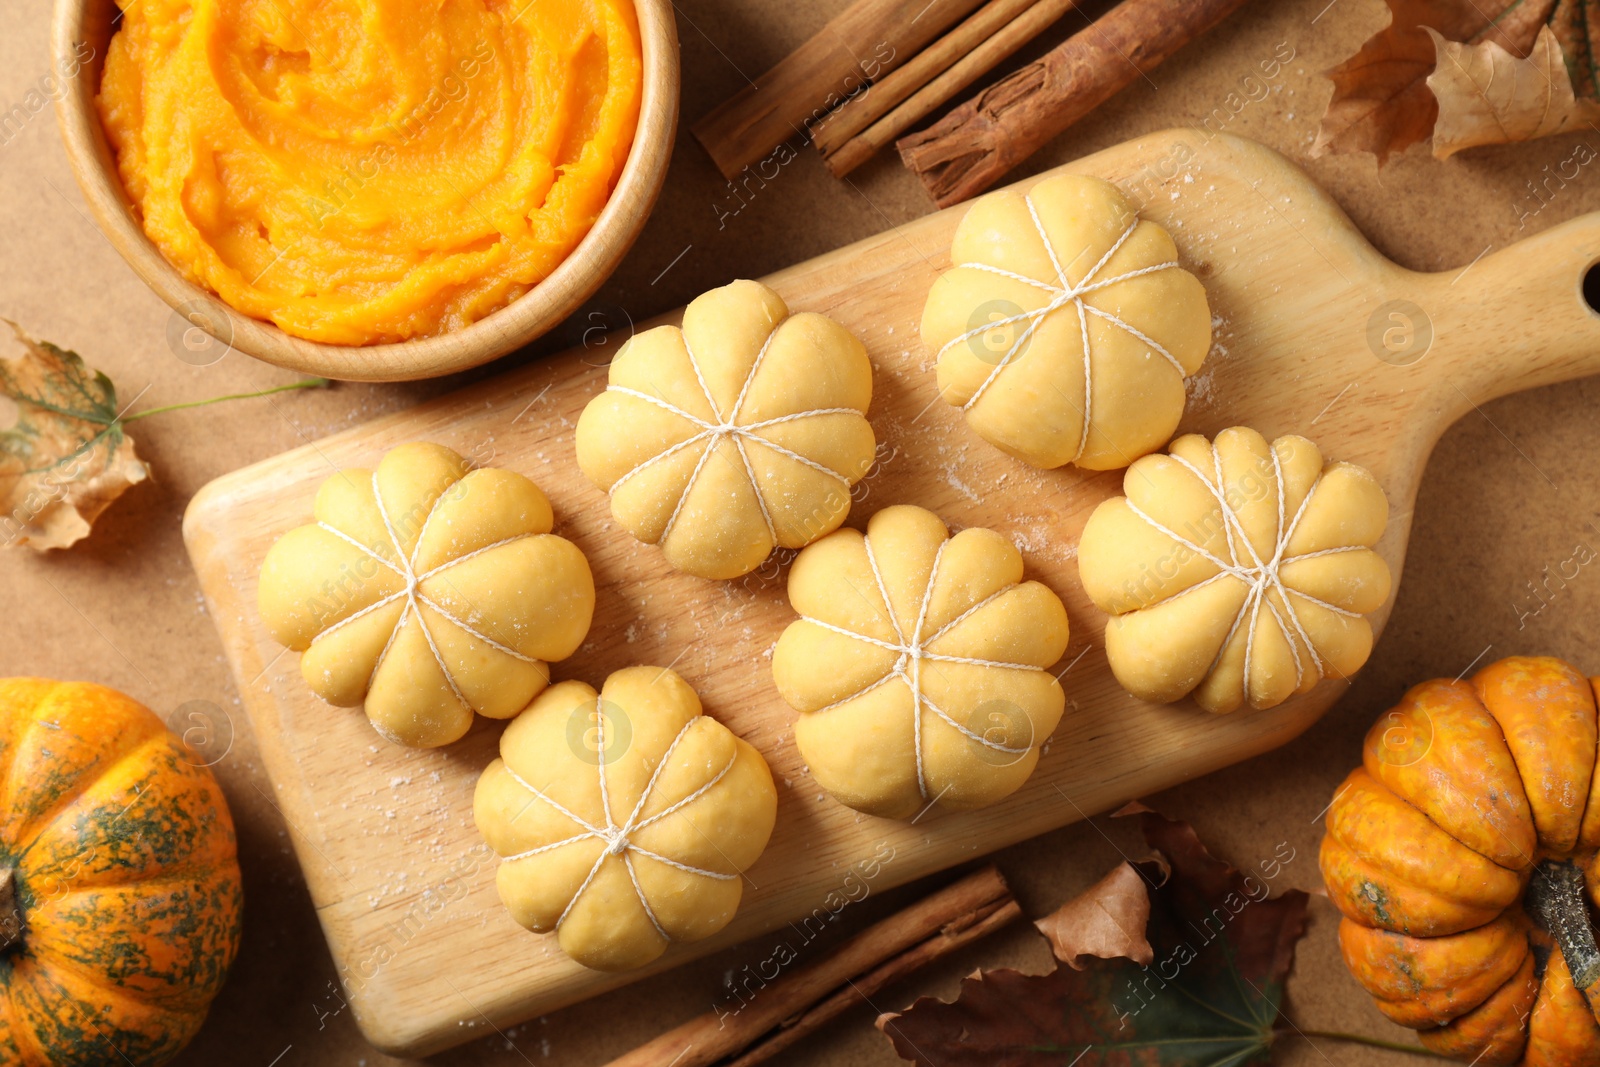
396	867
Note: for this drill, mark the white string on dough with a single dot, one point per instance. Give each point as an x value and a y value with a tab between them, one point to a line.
912	652
413	595
1061	294
1262	577
726	428
618	837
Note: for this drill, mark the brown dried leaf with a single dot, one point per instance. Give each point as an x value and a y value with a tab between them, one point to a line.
64	455
1224	948
1576	24
1381	101
1107	920
1489	96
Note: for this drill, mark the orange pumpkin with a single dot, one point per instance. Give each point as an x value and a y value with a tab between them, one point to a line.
1458	852
119	884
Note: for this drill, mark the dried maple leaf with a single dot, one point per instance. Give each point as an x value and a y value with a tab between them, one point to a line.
1222	949
1489	96
65	457
1381	100
1577	28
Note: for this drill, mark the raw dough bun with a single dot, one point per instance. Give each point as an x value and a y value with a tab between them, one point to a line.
1010	332
743	431
623	819
427	592
1246	586
938	697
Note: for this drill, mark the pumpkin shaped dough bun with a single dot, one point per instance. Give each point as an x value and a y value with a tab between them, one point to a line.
1458	854
428	592
739	433
917	665
1236	571
1066	328
624	819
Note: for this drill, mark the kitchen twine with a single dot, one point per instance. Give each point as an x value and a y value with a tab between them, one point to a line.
713	433
912	653
1261	576
618	839
1061	295
406	569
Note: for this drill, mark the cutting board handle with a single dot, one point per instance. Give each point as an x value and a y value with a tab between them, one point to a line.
1521	317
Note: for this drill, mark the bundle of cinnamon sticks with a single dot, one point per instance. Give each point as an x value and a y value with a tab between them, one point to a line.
802	1001
882	66
858	128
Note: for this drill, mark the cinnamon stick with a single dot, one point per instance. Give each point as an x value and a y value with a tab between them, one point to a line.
708	1038
861	44
969	149
974	65
859	112
859	990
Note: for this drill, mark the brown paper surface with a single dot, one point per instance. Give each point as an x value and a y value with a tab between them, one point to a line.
1511	490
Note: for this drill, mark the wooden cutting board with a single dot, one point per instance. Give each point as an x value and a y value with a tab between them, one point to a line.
1316	333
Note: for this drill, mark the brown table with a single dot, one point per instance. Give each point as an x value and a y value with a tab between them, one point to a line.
1511	490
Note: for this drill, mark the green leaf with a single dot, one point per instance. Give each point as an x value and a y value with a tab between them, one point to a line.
1211	997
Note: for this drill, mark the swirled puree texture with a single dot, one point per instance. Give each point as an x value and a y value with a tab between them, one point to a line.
360	171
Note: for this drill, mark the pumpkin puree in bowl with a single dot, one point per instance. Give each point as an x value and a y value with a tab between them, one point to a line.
364	171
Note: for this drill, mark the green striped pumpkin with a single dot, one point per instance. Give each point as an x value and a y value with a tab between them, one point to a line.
119	883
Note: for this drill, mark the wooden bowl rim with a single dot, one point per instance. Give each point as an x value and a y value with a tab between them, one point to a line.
534	313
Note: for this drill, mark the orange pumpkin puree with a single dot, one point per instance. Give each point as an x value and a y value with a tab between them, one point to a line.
361	171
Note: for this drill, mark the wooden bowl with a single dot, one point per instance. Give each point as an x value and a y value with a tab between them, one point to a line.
79	23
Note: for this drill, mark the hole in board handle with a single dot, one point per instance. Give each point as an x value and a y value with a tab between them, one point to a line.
1591	288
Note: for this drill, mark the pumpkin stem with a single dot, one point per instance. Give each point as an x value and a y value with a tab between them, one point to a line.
1557	903
10	911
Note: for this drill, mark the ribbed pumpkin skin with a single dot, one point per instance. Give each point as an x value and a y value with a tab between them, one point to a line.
1464	789
126	877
